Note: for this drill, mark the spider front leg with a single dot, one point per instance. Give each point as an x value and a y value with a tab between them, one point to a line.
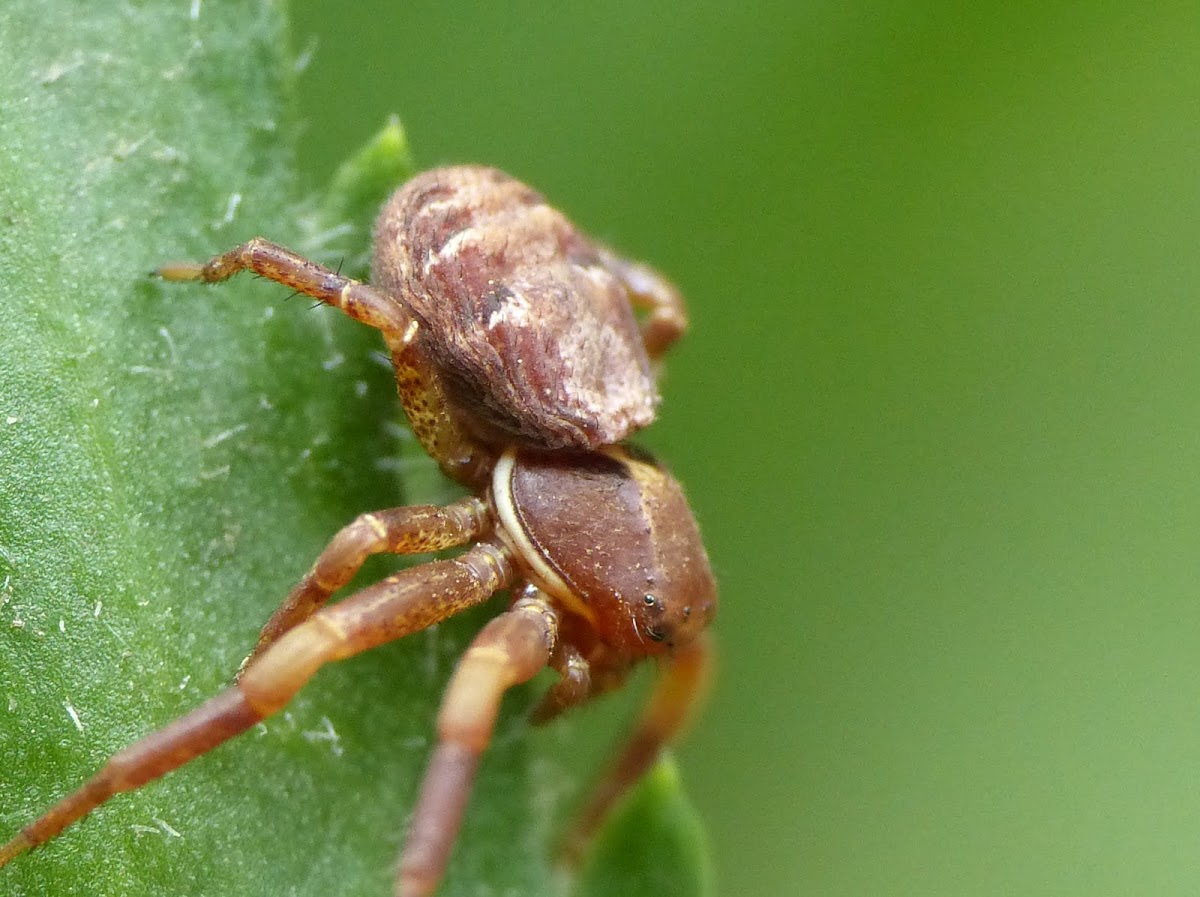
510	650
406	602
681	687
410	530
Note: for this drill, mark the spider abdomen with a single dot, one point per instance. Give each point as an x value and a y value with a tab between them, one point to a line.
529	322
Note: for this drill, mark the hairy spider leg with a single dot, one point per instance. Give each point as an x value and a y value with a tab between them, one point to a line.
272	261
420	389
510	650
404	603
681	688
409	530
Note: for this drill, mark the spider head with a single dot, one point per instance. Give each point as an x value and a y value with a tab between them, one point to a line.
610	534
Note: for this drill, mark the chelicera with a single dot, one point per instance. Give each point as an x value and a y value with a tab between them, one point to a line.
522	367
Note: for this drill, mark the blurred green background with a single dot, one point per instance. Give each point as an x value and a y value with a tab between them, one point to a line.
939	414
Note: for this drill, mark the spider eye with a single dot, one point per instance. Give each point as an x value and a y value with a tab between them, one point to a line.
650	600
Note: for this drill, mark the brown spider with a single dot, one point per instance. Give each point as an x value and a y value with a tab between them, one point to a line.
521	366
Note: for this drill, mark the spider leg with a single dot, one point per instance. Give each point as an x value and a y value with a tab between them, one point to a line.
581	678
668	319
681	687
401	604
574	685
410	530
511	649
425	401
272	261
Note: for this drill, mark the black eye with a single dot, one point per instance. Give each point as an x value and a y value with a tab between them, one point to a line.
650	600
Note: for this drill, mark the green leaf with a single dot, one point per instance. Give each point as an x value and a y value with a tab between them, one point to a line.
653	845
364	180
338	231
172	457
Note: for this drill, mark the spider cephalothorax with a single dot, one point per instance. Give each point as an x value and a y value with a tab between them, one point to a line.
521	366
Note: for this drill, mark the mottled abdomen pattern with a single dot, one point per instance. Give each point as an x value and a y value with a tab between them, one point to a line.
528	321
